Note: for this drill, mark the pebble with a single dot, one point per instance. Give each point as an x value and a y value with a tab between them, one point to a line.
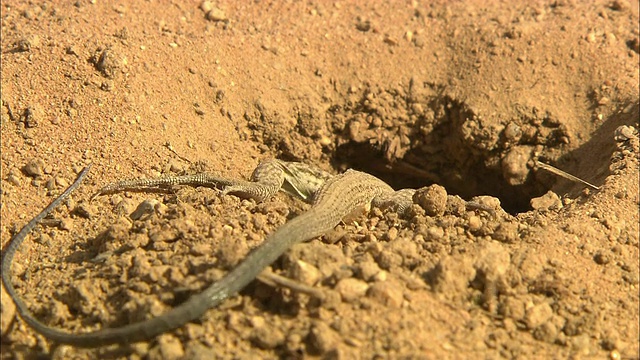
14	179
50	184
351	289
85	210
513	132
581	344
538	315
433	199
216	15
144	208
387	292
602	257
61	182
547	202
491	202
35	168
206	6
7	311
547	332
435	233
507	232
624	133
66	224
33	115
392	234
267	337
367	270
475	223
169	348
514	165
106	61
305	273
322	337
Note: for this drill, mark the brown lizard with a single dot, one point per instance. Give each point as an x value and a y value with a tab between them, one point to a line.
332	198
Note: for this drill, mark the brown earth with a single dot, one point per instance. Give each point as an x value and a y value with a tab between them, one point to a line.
468	95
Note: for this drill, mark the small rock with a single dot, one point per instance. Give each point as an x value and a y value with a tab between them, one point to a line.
490	202
28	43
547	202
581	344
206	6
170	347
624	133
14	179
507	232
514	165
452	275
61	182
381	276
107	85
435	233
35	168
145	207
538	315
351	289
475	223
456	205
513	308
512	132
85	210
66	224
602	258
163	235
200	249
305	273
323	338
106	61
7	311
72	50
267	337
433	199
368	269
216	15
198	351
386	292
50	184
547	332
392	234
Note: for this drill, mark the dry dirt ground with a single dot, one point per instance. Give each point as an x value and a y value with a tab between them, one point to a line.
467	95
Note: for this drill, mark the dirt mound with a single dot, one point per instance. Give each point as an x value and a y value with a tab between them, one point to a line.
467	95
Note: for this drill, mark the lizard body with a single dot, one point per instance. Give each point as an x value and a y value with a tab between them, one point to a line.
332	198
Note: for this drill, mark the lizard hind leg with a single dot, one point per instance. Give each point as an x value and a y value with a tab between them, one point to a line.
398	201
252	190
266	181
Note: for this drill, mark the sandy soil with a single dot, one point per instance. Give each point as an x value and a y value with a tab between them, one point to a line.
467	95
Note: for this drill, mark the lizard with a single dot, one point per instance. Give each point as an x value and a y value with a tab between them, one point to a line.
332	197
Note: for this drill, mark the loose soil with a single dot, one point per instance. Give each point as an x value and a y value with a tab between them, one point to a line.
467	95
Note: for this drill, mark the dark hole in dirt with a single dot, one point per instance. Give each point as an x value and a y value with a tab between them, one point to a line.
438	150
467	182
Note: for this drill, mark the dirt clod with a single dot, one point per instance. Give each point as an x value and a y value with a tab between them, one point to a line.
432	199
